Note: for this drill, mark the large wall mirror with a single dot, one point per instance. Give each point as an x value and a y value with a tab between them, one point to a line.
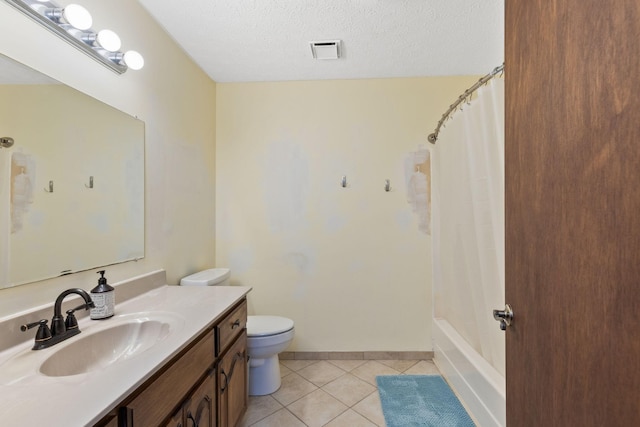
72	183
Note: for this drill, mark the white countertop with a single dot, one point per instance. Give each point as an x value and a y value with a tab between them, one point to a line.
29	398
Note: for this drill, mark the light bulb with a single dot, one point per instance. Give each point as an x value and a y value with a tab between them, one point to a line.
133	60
77	16
108	40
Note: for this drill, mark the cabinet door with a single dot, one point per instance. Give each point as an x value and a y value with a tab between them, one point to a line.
166	392
200	410
232	383
177	420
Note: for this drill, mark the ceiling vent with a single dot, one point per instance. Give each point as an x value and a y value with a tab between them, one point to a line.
326	49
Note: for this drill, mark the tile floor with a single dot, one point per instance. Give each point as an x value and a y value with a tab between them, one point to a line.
331	393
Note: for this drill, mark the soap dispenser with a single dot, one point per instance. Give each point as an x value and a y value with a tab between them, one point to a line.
103	297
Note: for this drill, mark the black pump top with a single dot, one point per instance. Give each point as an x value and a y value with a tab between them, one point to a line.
102	284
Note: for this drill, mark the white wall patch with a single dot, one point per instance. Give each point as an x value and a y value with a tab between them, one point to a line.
23	177
418	180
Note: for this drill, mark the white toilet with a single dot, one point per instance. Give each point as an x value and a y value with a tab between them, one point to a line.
267	336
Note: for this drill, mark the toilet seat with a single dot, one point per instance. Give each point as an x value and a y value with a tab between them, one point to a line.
264	326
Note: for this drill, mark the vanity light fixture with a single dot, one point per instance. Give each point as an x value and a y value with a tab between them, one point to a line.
105	39
74	15
130	58
73	23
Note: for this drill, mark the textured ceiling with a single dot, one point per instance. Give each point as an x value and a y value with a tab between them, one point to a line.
268	40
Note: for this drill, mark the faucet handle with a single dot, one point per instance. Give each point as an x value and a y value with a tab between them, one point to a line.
86	306
71	322
43	332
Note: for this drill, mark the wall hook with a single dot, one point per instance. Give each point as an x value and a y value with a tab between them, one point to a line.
50	190
90	183
387	185
6	142
343	181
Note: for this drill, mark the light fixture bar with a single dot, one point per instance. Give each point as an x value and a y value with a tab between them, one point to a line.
59	30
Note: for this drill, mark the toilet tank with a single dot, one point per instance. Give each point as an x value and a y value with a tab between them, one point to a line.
211	277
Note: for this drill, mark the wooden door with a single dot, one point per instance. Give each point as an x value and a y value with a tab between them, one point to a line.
233	397
572	75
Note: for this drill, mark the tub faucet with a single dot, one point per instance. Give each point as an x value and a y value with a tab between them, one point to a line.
60	329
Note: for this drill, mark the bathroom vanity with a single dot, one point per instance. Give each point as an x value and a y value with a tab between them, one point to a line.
177	356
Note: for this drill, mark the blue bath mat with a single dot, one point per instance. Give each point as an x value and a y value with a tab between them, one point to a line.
420	400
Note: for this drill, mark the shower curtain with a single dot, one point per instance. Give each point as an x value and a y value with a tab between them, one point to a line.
468	222
5	227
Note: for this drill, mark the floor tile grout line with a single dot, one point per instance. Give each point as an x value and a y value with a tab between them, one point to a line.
320	386
342	373
351	407
363	415
304	395
298	418
336	416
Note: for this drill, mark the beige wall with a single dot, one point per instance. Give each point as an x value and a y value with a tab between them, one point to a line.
175	99
348	265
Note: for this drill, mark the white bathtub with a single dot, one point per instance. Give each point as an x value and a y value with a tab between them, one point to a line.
480	387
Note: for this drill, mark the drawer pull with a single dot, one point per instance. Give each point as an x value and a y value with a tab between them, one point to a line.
205	403
238	356
225	382
190	418
235	324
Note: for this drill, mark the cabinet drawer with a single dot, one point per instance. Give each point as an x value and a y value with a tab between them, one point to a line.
231	326
163	395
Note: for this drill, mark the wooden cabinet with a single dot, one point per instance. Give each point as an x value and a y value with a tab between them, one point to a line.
199	409
230	327
110	420
197	388
177	420
158	399
232	379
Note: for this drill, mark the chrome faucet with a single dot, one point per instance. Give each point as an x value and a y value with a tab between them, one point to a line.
61	329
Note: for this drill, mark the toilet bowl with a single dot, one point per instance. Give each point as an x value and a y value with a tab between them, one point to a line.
267	336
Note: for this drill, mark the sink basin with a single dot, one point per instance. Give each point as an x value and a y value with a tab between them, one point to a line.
116	340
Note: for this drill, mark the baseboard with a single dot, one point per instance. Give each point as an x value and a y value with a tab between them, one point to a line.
356	355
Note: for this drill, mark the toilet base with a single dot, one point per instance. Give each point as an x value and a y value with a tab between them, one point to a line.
264	376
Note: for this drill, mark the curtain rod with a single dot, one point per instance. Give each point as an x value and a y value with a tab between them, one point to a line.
462	98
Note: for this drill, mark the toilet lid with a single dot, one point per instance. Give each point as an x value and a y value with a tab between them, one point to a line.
259	326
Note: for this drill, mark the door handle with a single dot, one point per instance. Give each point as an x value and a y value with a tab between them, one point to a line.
505	317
